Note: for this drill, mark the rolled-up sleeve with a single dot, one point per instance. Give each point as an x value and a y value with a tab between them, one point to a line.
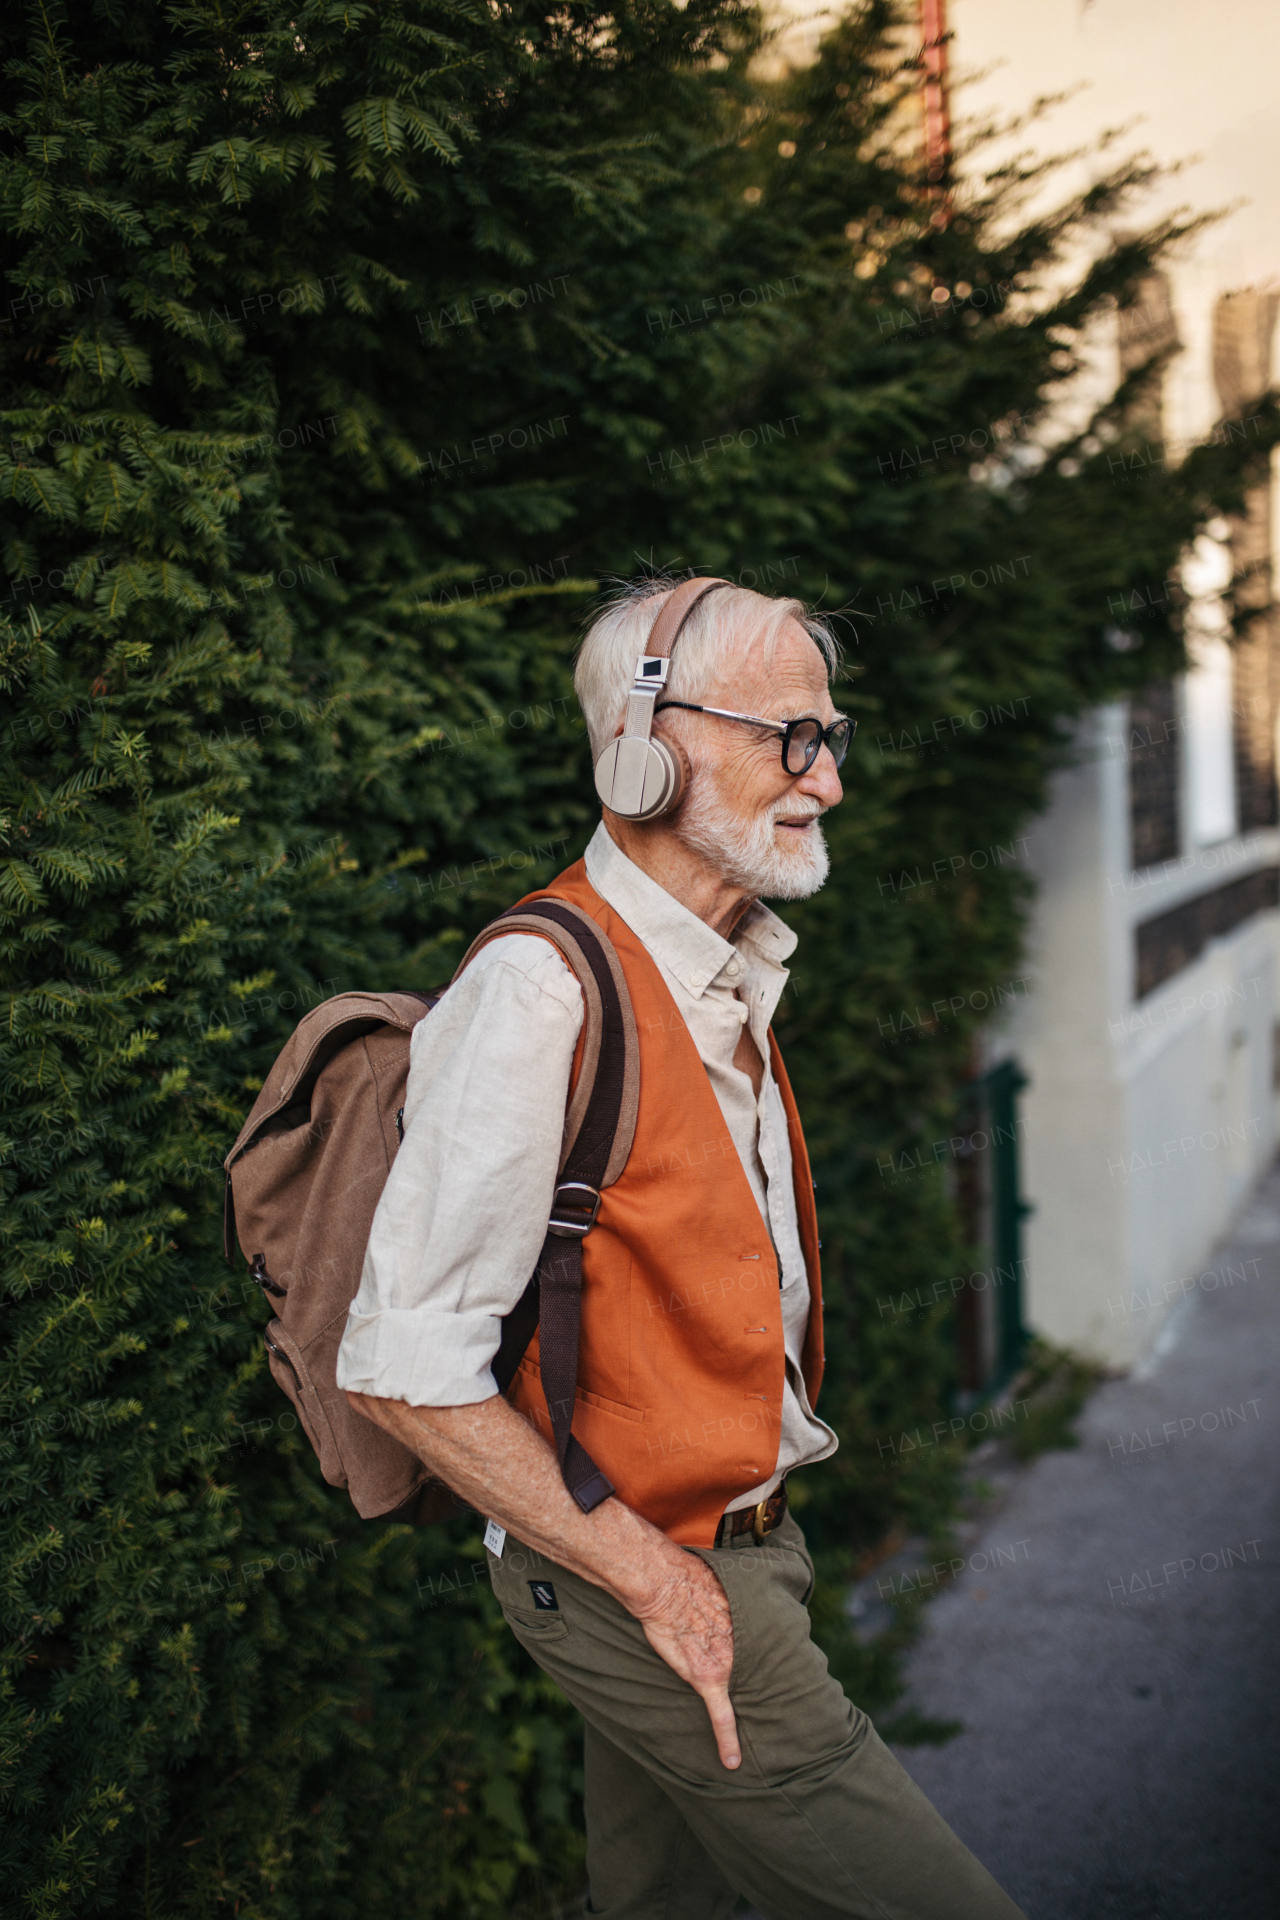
463	1215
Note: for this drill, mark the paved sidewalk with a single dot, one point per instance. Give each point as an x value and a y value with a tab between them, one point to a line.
1119	1680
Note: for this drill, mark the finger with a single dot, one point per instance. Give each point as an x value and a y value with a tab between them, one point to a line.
723	1725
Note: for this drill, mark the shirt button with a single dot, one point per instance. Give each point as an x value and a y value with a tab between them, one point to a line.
733	969
697	979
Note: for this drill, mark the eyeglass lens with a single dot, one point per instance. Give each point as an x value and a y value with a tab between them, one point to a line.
805	743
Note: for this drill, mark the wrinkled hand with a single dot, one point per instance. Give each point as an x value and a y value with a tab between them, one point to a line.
689	1625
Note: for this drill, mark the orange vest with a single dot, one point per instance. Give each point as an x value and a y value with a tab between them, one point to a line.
680	1359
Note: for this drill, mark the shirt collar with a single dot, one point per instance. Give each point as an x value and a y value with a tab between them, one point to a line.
685	945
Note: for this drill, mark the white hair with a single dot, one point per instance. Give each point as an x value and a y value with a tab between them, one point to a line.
721	631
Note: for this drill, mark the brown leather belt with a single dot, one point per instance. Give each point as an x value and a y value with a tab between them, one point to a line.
758	1521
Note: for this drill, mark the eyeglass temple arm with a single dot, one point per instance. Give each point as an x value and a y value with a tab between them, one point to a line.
754	719
723	713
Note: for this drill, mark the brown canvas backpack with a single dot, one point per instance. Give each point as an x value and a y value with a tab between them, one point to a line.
307	1169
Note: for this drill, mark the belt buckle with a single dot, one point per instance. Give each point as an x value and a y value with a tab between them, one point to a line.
757	1523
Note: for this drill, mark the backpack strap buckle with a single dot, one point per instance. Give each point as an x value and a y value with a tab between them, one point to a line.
573	1210
258	1272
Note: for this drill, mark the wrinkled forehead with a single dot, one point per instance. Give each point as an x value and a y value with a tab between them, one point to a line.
771	659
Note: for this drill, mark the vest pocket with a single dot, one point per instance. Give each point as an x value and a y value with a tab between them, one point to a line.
618	1408
614	1407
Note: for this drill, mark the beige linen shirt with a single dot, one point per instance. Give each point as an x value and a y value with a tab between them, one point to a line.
463	1215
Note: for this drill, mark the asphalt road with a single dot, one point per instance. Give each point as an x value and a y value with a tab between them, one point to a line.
1118	1676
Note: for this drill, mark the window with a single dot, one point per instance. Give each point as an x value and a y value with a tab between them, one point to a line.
1210	752
1155	771
1209	758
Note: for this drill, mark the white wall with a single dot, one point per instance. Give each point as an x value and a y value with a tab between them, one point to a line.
1145	1122
1073	1107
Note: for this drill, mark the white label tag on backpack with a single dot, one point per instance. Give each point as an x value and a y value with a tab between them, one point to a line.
495	1537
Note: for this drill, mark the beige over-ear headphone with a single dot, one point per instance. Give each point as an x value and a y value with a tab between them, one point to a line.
638	777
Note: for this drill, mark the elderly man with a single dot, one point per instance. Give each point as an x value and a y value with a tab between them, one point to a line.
721	1757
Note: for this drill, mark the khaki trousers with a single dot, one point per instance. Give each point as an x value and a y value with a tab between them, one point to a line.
819	1821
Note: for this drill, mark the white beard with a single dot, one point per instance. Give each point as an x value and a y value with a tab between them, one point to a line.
749	853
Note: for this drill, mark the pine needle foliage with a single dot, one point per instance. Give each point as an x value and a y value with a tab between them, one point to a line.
347	349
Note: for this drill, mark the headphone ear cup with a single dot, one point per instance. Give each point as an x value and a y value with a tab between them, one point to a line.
641	779
680	776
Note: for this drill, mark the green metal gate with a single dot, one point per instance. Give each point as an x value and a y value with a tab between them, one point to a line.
990	1336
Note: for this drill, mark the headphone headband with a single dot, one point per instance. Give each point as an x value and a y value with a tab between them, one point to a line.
676	609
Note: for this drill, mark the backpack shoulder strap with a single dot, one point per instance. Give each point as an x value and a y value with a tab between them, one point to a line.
611	1044
599	1130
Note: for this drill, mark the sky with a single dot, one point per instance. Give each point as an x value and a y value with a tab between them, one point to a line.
1201	79
1197	82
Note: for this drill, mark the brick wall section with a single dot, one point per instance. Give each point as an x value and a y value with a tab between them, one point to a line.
1242	327
1256	663
1147	333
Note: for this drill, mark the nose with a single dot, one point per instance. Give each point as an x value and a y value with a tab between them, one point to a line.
822	781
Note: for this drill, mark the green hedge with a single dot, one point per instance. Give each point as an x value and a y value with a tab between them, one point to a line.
301	508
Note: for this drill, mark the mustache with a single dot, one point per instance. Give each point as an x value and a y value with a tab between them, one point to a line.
803	807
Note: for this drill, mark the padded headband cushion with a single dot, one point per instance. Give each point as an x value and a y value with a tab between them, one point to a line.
676	610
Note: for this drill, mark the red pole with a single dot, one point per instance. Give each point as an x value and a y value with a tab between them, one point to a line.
937	110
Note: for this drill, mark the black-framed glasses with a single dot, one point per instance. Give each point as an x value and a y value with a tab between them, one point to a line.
802	740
